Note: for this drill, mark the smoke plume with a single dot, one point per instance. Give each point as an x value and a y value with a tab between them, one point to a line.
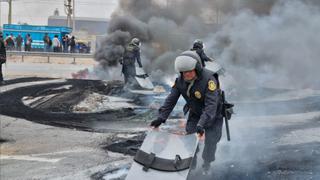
261	43
165	29
277	49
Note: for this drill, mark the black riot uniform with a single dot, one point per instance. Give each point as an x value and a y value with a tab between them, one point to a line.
131	55
204	104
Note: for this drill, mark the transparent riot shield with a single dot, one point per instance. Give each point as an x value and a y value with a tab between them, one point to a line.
215	67
168	147
143	79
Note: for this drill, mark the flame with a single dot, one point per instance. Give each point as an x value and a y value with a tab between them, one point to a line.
82	74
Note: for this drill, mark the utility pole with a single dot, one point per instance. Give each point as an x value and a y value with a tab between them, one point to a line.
10	12
68	10
74	16
0	18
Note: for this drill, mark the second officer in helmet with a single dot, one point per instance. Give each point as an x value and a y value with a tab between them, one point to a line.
198	47
130	57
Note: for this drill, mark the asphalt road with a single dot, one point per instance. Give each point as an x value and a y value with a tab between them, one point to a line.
264	145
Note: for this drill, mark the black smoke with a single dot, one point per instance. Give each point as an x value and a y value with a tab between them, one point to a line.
260	42
165	28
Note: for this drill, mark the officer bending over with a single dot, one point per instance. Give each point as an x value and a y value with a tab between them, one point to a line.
201	90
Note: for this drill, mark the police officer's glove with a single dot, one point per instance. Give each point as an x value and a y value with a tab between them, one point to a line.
200	130
156	123
140	66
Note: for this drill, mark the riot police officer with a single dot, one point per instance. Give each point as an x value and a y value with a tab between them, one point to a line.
131	55
201	90
198	47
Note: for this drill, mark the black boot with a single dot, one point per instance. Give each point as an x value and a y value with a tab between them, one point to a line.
205	168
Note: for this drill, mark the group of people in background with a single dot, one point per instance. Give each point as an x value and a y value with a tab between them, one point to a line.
68	44
12	43
15	43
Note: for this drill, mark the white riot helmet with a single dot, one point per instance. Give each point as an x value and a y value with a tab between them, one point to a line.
187	61
135	41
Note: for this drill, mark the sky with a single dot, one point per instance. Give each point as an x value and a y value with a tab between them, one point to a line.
36	12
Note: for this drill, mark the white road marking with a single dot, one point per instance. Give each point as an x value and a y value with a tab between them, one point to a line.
28	158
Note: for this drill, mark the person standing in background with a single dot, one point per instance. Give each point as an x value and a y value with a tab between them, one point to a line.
3	57
72	44
9	42
65	43
46	41
56	44
28	43
19	41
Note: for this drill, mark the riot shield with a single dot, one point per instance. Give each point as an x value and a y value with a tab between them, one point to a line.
215	67
164	156
143	79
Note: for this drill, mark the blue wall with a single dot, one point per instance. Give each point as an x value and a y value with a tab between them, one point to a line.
37	32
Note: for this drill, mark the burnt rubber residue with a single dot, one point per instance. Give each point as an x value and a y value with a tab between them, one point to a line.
26	79
127	146
58	111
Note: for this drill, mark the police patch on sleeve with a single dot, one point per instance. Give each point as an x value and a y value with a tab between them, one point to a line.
197	94
212	85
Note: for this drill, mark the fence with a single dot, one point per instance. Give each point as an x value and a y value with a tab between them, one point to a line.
49	55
